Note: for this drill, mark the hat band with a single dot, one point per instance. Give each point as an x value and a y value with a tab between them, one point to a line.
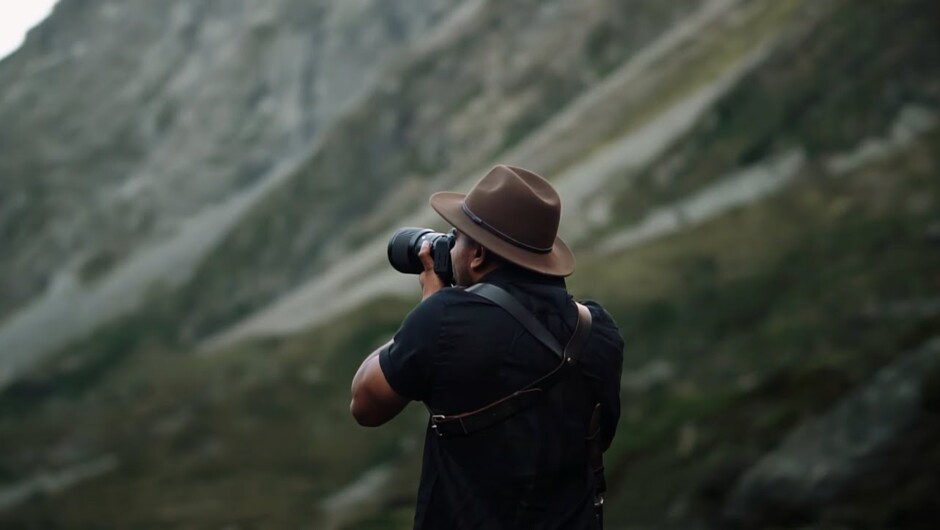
496	232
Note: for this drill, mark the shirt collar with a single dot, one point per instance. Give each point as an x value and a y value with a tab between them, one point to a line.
503	275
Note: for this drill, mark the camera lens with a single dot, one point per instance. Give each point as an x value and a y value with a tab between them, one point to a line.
403	249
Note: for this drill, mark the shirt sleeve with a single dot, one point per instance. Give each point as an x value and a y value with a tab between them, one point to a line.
407	362
603	367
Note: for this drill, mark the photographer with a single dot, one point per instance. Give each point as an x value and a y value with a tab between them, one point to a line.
522	384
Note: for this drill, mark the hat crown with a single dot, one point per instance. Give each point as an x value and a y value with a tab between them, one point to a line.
518	204
515	214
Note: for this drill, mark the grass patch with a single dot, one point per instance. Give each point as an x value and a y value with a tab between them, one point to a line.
239	435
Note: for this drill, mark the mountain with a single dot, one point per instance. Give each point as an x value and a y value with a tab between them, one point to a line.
449	109
130	138
750	189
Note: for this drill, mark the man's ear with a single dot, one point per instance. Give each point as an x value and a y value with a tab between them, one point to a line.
479	257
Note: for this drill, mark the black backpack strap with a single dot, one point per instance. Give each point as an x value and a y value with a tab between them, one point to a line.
489	415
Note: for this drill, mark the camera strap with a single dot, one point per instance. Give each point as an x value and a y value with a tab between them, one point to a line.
489	415
502	298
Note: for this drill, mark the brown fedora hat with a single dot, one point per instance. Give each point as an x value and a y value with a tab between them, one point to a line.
514	213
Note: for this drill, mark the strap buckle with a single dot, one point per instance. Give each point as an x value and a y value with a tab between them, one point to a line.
434	419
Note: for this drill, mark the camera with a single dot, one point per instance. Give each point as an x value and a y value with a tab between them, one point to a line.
405	243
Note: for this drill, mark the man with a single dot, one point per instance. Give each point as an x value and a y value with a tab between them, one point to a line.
459	352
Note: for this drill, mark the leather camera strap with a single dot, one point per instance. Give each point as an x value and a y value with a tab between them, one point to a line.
497	411
502	298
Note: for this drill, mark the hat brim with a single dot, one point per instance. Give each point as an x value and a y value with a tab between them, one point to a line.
558	262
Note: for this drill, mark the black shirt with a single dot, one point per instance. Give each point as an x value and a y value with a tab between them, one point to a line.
457	352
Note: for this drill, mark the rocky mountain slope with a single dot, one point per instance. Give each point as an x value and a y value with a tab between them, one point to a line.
751	191
451	108
168	123
119	122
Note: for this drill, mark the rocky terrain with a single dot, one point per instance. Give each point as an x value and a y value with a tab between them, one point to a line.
118	123
194	205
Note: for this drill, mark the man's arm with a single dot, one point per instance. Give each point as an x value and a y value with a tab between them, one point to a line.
603	369
373	400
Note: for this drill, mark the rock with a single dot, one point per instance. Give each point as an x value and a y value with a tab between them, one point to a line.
906	310
825	455
932	234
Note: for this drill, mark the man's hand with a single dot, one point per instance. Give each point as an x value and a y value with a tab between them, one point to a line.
429	280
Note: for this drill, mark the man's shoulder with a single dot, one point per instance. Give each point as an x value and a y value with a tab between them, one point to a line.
598	313
604	323
444	300
449	296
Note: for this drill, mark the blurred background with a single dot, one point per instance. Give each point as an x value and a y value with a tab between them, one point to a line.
195	198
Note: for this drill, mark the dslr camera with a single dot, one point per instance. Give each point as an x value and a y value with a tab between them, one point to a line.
405	243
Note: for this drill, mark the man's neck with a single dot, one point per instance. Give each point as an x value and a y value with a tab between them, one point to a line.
512	274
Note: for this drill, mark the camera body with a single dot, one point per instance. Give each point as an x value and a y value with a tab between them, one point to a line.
405	243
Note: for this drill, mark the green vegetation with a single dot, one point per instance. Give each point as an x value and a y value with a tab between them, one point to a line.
825	90
766	315
239	435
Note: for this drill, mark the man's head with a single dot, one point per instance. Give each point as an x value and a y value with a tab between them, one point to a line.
510	216
471	260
